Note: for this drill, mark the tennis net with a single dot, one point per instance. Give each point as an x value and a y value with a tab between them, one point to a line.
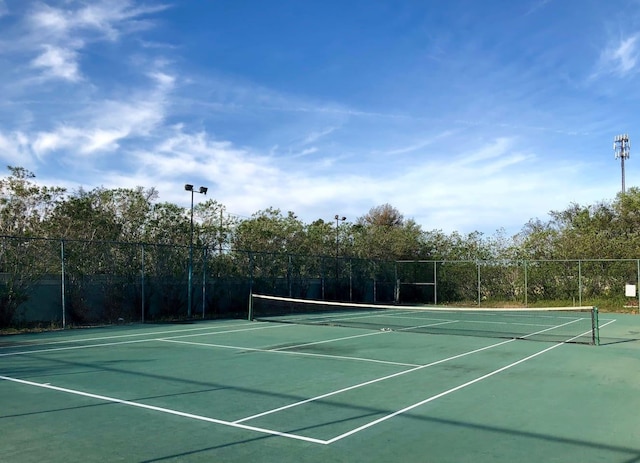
556	324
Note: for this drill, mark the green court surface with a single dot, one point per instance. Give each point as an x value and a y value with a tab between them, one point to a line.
239	391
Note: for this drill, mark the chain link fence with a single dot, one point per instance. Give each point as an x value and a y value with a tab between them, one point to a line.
71	283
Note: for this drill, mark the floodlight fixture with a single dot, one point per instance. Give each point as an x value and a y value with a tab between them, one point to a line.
622	151
188	187
203	190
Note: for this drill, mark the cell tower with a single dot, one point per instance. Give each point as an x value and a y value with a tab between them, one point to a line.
622	149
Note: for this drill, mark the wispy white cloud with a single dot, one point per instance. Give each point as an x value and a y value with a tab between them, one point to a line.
15	149
59	35
4	9
625	56
107	19
497	149
308	151
58	63
450	193
418	145
537	5
48	20
165	81
199	154
619	58
476	188
123	120
63	137
317	135
104	124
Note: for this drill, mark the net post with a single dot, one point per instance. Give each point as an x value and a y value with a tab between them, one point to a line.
250	317
595	327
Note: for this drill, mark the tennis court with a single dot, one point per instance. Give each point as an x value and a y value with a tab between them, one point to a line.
237	391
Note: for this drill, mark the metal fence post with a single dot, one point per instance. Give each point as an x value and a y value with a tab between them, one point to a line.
350	280
142	283
322	276
62	285
526	285
580	283
479	290
289	278
638	283
396	283
435	282
204	279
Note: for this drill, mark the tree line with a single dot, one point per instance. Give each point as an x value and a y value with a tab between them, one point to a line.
607	229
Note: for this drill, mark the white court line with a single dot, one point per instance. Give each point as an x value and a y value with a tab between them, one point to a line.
284	350
449	391
57	349
485	322
322	318
252	327
550	328
410	316
608	323
237	423
432	311
152	333
297	346
304	354
164	410
329	394
409	328
462	386
373	381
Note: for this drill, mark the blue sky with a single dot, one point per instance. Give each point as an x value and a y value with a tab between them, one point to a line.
463	114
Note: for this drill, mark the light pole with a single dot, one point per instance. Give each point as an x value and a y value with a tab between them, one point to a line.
202	190
338	220
622	150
